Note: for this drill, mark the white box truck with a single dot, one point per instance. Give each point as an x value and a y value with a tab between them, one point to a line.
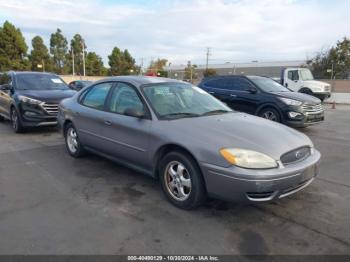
301	80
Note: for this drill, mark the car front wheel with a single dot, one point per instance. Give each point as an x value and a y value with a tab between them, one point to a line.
16	121
73	145
270	114
182	180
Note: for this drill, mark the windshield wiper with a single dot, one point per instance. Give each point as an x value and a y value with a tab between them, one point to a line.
214	112
180	114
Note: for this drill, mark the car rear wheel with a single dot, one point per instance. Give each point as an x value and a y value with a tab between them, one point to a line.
270	114
73	145
182	180
16	121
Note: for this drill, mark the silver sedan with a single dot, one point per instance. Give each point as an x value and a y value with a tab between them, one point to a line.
194	144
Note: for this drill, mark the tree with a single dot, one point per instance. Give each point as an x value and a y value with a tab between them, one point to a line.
333	62
40	55
58	50
94	65
209	72
76	49
157	67
121	62
13	49
190	74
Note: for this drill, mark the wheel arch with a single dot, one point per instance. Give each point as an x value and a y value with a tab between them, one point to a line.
65	124
305	90
167	148
268	105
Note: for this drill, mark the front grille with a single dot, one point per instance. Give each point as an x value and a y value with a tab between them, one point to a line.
327	89
312	108
296	155
51	109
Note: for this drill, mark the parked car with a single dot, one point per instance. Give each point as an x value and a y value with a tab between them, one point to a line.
79	84
31	99
193	143
266	98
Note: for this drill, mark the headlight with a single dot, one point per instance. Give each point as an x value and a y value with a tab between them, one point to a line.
290	102
247	158
29	100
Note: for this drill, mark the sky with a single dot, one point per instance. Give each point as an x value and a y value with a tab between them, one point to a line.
181	30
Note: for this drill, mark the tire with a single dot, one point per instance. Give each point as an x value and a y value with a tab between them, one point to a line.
2	119
270	114
17	125
73	145
184	187
306	91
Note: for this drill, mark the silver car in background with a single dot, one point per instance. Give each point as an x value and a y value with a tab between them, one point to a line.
193	143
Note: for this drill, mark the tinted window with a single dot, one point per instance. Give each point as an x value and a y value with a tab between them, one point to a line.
293	75
39	82
97	95
239	84
217	83
124	97
268	85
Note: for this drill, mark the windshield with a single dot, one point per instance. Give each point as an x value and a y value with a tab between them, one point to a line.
268	85
178	100
39	82
306	75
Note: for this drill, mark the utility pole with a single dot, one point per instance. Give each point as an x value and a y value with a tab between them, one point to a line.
141	66
43	62
83	47
73	69
208	54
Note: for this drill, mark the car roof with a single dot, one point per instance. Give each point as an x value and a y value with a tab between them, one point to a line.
140	80
29	72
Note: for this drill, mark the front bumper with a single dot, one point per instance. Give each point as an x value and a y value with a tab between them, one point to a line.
248	185
322	95
305	119
36	117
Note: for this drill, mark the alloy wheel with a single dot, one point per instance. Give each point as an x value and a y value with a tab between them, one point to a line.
72	140
178	181
270	115
14	118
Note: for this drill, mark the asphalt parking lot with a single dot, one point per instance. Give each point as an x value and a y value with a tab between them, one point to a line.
51	203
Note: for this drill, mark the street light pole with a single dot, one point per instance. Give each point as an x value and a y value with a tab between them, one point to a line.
73	69
83	47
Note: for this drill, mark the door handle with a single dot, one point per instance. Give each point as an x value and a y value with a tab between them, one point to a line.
232	95
108	123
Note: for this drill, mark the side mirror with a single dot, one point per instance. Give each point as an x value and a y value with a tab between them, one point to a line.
5	87
252	90
134	112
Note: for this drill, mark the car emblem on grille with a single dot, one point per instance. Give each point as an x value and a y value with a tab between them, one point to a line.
298	154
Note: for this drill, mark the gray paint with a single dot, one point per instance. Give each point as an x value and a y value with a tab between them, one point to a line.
135	142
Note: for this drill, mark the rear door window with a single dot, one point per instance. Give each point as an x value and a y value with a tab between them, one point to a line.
218	83
240	84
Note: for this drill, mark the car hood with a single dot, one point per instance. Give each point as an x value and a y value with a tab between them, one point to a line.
316	83
300	96
48	96
239	130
